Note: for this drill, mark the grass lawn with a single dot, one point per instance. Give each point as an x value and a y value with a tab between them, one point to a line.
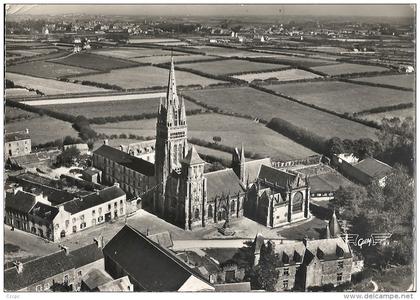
401	113
266	106
19	93
50	86
167	58
95	62
146	77
113	108
343	97
231	66
46	69
285	75
131	52
43	129
347	68
313	229
233	131
403	80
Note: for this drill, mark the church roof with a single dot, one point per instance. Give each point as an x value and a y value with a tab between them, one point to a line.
192	157
253	167
275	176
134	163
222	183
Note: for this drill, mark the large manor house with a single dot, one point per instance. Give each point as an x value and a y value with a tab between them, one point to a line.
175	187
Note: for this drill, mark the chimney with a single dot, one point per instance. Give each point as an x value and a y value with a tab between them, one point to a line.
99	241
66	249
121	148
116	184
106	142
19	266
26	130
17	189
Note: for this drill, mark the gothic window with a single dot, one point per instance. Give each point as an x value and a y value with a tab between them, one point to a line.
297	202
197	213
232	207
210	212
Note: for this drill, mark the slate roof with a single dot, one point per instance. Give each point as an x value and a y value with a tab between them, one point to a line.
48	266
134	163
16	136
327	249
91	171
151	266
21	202
233	287
117	285
94	199
328	182
44	211
276	176
164	239
373	168
222	183
95	278
252	168
192	157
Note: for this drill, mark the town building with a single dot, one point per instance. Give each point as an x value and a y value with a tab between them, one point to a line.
97	280
149	266
61	270
17	143
17	207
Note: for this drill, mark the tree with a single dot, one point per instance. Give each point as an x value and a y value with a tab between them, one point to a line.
265	275
68	156
335	146
217	139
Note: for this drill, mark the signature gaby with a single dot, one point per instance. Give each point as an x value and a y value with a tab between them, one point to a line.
374	239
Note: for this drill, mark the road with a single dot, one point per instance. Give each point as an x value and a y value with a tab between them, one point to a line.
94	99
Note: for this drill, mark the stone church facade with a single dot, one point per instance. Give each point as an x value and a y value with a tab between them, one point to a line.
184	195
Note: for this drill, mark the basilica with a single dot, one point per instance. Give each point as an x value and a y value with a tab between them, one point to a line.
175	187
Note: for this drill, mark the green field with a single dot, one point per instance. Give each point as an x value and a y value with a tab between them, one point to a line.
47	69
401	113
263	105
233	131
231	66
43	129
95	62
343	97
146	77
285	75
403	80
167	58
50	86
131	52
113	108
346	68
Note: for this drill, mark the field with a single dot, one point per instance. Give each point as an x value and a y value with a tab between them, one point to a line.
146	77
95	62
139	40
113	108
167	58
45	69
231	66
328	49
228	52
233	131
13	114
346	68
131	52
404	80
43	129
401	113
243	100
343	97
10	54
19	92
50	86
285	75
301	60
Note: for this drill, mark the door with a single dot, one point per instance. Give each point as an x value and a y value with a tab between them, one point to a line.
107	217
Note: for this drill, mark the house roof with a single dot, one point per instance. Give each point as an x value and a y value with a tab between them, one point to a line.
91	171
164	239
21	201
16	136
118	285
94	199
44	211
95	278
327	249
252	168
222	183
48	266
328	182
134	163
373	168
233	287
150	265
192	157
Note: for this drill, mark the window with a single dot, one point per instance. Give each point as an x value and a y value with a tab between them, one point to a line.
100	210
340	264
115	204
286	271
121	211
93	212
232	207
82	217
74	220
109	207
285	284
82	225
297	202
121	202
197	213
100	219
67	223
79	273
38	288
46	286
339	277
66	278
210	212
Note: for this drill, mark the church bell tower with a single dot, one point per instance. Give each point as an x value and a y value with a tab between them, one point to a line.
171	140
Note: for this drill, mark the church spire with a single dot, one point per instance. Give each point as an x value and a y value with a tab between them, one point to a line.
171	94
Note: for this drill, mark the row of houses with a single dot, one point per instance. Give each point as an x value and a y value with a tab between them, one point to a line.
34	213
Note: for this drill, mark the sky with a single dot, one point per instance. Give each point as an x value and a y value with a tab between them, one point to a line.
388	10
